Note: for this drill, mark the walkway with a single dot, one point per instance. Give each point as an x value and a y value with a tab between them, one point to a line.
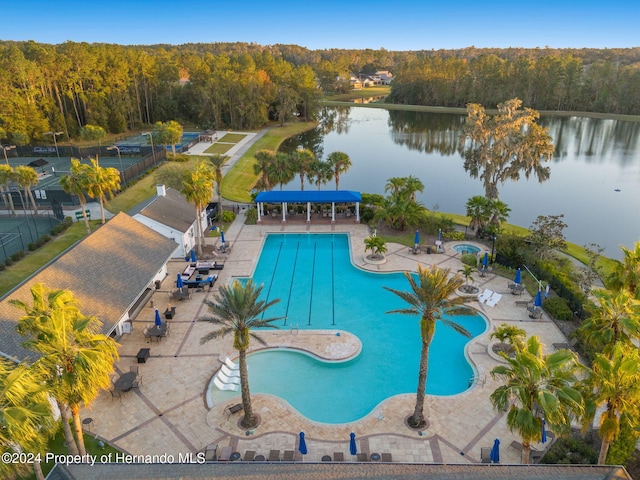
169	413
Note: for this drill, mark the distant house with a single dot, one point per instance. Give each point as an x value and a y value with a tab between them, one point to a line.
169	214
111	272
385	76
355	83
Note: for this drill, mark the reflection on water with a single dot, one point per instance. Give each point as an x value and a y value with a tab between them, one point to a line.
593	158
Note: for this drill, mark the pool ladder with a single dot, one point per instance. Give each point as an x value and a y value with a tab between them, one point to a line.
297	329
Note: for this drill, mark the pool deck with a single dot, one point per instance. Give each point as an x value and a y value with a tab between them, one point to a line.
169	413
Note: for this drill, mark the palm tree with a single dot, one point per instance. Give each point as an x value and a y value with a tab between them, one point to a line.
74	184
613	381
626	274
510	337
340	163
218	162
615	317
6	177
264	158
498	212
399	212
320	173
27	177
467	273
302	160
101	183
196	187
281	170
377	245
432	296
477	210
535	381
25	416
411	186
237	310
76	358
395	184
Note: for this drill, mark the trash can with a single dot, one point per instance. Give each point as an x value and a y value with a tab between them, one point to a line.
429	250
158	284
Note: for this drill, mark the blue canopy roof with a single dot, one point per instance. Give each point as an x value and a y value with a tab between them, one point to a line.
313	196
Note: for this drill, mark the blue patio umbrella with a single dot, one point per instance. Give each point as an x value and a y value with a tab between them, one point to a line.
485	259
353	448
495	451
302	448
518	278
221	235
179	281
193	255
537	302
158	319
416	240
544	431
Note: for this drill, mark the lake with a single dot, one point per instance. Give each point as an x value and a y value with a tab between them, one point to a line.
595	172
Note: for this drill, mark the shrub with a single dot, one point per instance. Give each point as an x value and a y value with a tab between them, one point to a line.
18	255
366	214
571	451
8	262
251	217
558	308
453	235
228	216
32	246
2	267
469	259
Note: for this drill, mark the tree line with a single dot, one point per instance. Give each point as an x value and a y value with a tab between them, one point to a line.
68	86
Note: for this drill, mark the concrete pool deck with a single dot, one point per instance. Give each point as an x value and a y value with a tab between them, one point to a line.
169	413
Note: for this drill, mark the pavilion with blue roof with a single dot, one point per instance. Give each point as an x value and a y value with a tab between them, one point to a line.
309	197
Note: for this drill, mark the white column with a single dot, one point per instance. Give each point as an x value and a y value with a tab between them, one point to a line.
308	212
357	212
259	207
333	212
284	212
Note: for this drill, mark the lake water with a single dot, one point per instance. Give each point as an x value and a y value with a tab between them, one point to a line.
593	159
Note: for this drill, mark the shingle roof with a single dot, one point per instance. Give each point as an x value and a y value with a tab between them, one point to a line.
107	271
171	210
323	471
315	196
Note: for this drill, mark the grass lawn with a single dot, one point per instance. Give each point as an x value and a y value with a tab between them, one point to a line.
232	138
377	91
23	269
219	148
238	182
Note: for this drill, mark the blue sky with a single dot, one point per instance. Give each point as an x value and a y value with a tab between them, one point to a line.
399	25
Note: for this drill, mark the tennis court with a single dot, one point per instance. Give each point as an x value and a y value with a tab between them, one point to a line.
16	233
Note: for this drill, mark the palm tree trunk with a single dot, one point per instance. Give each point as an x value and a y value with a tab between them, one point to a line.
102	210
526	452
33	201
199	234
248	421
77	424
604	450
37	469
72	446
417	419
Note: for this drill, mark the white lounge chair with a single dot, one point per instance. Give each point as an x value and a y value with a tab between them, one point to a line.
230	373
484	296
230	364
495	298
225	386
227	380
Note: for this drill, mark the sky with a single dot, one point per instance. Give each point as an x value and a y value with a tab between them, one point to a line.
355	24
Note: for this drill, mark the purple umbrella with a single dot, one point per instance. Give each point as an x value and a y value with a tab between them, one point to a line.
193	256
518	278
158	319
179	281
303	444
537	302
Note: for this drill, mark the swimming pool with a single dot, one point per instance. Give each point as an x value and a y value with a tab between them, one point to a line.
319	288
465	248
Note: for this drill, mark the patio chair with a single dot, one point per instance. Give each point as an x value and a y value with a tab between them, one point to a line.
116	394
338	457
362	457
288	456
495	298
225	454
210	453
249	455
386	457
274	456
137	383
134	369
225	386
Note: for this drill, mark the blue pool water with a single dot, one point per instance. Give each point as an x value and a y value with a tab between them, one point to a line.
465	248
319	288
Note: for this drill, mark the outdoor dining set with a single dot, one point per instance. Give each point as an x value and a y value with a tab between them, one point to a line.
126	382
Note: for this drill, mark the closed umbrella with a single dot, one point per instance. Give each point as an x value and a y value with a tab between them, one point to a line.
302	448
495	451
353	448
221	235
544	431
416	240
193	255
518	278
485	260
179	281
158	319
537	302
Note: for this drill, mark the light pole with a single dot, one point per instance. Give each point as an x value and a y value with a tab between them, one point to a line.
116	148
4	149
493	249
55	142
153	151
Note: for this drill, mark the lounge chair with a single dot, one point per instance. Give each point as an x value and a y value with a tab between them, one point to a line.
495	298
288	456
338	457
386	457
484	296
225	454
228	372
274	456
485	454
225	386
210	453
228	380
230	364
362	457
249	455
